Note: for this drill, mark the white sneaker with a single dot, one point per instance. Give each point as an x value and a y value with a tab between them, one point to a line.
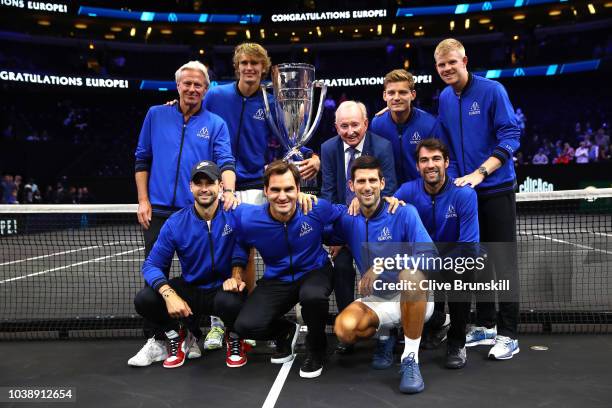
480	335
504	349
214	338
251	343
194	351
152	352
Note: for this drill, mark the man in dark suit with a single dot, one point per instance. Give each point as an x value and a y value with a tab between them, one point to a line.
337	155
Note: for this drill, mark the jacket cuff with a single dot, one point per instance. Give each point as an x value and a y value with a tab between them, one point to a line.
239	262
227	166
158	283
142	165
501	154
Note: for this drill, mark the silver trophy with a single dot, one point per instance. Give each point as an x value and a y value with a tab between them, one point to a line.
293	86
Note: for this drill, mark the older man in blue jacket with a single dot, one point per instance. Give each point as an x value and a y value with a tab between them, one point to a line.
479	126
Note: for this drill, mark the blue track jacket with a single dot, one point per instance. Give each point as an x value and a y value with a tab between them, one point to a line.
168	148
404	139
289	250
476	125
204	254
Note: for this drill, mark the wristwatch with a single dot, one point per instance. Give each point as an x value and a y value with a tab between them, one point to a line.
482	170
229	190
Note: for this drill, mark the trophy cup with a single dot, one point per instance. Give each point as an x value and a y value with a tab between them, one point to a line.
293	86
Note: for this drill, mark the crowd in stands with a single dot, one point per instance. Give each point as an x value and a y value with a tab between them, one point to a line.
13	190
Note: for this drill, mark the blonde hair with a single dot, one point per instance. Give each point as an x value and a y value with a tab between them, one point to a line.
253	50
350	104
399	75
448	45
196	66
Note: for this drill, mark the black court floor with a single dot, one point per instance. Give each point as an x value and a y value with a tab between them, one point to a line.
575	371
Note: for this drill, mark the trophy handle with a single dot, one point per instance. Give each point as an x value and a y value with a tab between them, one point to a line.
269	119
317	120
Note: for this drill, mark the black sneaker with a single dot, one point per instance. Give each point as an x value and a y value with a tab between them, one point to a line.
312	366
344	349
285	347
455	357
434	337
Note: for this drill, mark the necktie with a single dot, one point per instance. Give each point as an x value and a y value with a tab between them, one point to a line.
349	194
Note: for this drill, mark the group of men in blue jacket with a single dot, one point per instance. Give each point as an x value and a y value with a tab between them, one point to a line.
455	172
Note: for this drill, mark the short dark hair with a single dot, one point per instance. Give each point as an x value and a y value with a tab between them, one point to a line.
279	167
432	144
366	162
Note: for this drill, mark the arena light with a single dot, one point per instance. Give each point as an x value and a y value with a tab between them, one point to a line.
592	8
379	29
356	30
199	32
407	45
91	46
484	21
467	23
201	51
276	34
341	31
406	64
608	4
166	31
132	31
44	23
452	25
293	33
294	39
109	36
81	26
393	28
149	31
116	29
247	33
231	33
319	32
419	33
554	13
515	38
518	17
305	50
262	33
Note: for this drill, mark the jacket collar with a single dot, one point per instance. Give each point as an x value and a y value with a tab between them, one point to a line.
197	215
178	109
443	190
244	96
280	222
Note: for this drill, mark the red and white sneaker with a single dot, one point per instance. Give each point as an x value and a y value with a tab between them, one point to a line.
178	344
236	352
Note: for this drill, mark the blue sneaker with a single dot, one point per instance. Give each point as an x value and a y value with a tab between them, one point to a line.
480	335
412	381
504	349
383	354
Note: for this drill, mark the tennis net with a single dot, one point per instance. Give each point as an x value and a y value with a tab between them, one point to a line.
73	270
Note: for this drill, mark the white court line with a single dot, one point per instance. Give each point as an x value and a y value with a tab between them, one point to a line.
278	385
59	268
61	253
573	243
601	233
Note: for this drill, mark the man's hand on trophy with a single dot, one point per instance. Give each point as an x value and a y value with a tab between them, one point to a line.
309	167
171	103
305	201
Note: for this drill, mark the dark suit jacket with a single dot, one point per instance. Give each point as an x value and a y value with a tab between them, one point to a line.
332	166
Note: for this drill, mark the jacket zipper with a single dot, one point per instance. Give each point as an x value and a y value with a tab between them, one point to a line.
461	132
178	164
239	128
433	210
212	249
401	163
290	255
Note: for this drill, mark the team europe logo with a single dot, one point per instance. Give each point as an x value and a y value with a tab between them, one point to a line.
416	138
203	133
385	235
227	230
306	229
474	109
451	213
259	115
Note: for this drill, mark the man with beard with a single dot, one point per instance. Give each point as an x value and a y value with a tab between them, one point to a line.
450	214
202	237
